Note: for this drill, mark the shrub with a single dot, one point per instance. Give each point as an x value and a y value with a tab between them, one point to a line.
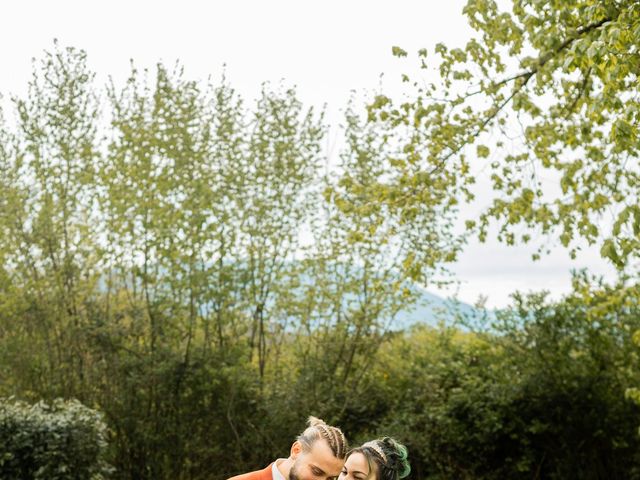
539	394
64	440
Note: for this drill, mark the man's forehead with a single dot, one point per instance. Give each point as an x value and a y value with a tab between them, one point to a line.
323	457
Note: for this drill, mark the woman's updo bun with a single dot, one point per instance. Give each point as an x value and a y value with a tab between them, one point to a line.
397	457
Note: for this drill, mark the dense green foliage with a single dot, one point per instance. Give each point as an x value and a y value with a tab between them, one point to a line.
181	262
64	441
541	396
162	244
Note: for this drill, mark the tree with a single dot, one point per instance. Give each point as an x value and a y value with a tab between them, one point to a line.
414	240
47	218
277	177
544	90
203	200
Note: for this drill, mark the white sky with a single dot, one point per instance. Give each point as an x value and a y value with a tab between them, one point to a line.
324	48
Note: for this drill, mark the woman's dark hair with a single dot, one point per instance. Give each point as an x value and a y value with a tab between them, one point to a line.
389	456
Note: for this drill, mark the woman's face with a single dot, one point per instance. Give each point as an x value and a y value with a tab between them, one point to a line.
357	468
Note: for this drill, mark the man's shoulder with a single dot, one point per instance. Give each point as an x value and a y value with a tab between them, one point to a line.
264	474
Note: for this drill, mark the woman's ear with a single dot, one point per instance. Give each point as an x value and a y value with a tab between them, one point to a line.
296	449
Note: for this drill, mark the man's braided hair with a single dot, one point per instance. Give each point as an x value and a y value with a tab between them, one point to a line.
317	430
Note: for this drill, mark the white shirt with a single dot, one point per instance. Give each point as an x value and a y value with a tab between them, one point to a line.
275	473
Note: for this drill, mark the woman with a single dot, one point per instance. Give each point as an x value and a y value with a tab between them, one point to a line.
383	459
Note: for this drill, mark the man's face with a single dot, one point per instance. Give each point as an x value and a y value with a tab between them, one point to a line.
318	463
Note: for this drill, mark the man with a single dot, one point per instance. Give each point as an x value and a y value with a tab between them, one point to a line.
317	454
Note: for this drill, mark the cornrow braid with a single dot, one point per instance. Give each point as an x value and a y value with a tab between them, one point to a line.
317	430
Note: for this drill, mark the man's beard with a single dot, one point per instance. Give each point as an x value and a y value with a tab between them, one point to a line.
293	475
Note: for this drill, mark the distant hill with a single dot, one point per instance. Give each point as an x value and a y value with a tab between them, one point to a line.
429	309
432	309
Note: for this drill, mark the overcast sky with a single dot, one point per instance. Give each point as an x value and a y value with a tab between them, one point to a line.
327	49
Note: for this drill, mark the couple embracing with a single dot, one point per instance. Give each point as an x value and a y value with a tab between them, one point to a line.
321	453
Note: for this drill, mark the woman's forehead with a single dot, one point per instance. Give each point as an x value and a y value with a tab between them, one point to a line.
357	461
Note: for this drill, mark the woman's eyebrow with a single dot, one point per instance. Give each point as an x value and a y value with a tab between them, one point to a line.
355	472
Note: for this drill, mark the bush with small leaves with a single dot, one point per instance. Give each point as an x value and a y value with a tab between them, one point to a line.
61	441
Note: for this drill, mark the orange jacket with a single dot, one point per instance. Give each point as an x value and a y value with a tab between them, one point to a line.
264	474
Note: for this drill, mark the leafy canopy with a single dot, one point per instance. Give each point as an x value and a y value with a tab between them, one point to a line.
543	98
